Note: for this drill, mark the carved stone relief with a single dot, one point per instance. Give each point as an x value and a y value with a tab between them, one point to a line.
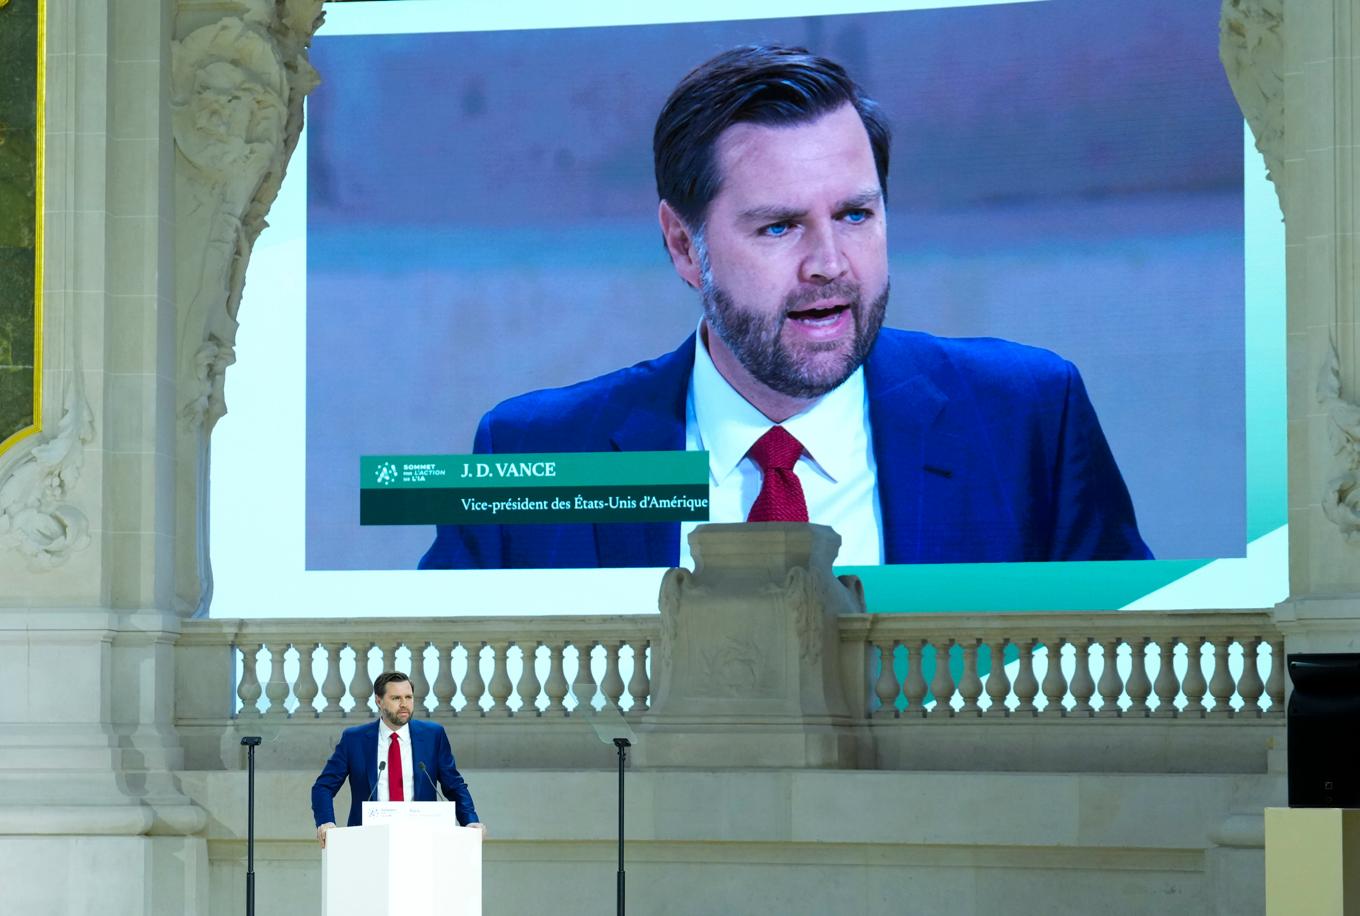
36	515
1341	497
238	80
747	665
237	87
1251	47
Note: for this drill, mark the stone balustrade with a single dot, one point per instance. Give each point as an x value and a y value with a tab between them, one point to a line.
1112	702
270	681
1222	664
1126	665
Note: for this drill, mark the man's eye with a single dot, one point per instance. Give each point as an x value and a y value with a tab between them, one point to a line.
856	216
775	230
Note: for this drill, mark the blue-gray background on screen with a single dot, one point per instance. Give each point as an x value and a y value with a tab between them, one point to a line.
482	222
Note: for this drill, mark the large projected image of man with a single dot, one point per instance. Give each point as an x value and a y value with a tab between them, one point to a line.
771	165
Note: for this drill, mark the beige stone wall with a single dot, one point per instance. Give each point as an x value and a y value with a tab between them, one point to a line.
724	842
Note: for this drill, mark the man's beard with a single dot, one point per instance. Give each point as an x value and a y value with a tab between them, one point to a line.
757	340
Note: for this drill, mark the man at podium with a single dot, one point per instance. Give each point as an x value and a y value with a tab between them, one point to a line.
396	758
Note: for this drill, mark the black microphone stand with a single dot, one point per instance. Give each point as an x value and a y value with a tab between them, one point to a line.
622	744
250	742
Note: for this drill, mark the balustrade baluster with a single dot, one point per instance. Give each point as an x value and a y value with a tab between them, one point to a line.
249	689
420	685
1026	684
942	684
1139	688
639	683
529	685
914	685
998	684
970	686
1083	688
389	661
1166	685
500	687
1221	685
444	687
613	681
473	685
333	687
583	685
556	686
276	691
361	685
1249	685
305	689
886	686
1275	682
1194	685
1111	684
1055	682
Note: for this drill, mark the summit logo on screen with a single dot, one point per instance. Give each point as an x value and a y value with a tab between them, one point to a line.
385	474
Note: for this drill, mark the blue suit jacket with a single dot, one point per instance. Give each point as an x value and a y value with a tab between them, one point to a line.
988	451
356	758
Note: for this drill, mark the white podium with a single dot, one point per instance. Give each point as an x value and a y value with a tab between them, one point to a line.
409	859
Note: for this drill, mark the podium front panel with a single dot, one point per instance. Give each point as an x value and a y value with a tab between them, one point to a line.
413	867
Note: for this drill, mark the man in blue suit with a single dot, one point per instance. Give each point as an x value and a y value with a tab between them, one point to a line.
771	168
395	758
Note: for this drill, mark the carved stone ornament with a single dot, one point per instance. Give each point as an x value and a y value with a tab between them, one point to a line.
35	516
1341	498
1251	47
237	87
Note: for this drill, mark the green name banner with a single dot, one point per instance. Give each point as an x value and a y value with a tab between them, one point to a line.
580	487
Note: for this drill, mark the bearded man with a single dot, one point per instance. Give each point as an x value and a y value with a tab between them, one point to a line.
771	169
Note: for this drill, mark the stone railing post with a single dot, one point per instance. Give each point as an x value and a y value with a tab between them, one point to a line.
747	668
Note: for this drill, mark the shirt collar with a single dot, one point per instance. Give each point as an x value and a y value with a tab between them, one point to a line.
729	425
384	730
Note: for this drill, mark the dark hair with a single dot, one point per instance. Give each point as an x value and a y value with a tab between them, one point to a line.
756	84
387	677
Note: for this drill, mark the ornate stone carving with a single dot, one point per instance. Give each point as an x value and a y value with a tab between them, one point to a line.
747	665
803	593
239	74
737	664
673	585
1341	498
1251	47
237	87
35	516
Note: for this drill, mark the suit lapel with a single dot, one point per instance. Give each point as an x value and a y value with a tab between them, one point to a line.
914	458
420	751
369	748
655	422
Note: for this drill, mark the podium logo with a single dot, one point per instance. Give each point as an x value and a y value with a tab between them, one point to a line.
386	474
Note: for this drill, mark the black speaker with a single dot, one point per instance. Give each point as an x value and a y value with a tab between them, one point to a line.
1324	723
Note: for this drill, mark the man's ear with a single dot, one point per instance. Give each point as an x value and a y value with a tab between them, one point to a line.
680	244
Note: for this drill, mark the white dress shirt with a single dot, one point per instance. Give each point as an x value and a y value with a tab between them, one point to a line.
403	734
837	469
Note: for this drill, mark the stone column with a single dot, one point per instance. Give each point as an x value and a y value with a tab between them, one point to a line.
747	669
1293	68
100	507
1320	191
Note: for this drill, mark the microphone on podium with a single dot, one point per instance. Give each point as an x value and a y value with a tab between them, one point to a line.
382	765
431	779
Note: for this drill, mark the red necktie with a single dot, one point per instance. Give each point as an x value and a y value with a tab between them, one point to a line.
395	792
781	495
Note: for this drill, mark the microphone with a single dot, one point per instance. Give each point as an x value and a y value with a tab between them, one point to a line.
431	779
382	765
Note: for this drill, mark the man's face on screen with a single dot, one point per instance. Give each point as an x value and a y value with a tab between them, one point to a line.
793	256
396	704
